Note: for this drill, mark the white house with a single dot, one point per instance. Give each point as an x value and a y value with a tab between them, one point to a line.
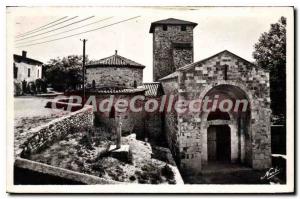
26	68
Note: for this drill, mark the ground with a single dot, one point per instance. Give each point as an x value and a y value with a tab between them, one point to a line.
89	154
226	174
29	112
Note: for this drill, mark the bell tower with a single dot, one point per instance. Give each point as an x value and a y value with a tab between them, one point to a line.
172	46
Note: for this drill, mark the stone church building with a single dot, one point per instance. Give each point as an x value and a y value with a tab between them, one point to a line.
201	138
196	139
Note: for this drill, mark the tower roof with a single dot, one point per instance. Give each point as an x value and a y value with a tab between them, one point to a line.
171	21
114	60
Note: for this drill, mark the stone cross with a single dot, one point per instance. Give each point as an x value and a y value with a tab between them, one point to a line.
119	132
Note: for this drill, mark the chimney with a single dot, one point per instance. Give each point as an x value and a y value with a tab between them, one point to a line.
24	53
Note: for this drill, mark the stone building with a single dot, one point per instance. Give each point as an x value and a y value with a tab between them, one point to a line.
114	71
172	45
26	68
200	138
122	78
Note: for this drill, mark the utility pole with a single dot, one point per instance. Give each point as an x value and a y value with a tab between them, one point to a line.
83	69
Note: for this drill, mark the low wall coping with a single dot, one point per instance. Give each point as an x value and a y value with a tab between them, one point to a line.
60	172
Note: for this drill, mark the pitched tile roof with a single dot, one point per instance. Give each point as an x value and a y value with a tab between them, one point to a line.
154	89
114	60
171	21
116	90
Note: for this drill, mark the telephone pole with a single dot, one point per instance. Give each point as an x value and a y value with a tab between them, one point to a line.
83	69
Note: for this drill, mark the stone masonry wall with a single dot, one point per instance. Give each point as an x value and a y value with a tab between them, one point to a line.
196	80
163	54
170	87
132	122
114	76
182	56
46	135
153	125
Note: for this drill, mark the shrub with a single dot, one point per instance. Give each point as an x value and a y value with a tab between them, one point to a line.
24	86
18	88
167	172
33	88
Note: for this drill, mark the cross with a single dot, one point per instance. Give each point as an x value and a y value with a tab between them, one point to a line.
119	132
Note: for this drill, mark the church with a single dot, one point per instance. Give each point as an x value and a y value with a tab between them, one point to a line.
196	139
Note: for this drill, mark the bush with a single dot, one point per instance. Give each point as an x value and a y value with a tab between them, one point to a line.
167	172
24	86
17	89
87	142
32	88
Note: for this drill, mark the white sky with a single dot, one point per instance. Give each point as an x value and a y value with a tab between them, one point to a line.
235	29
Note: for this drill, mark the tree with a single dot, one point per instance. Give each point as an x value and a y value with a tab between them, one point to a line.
270	54
64	73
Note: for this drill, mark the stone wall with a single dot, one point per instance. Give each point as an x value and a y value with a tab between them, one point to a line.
44	172
153	126
196	80
114	76
182	56
45	135
170	125
132	122
166	56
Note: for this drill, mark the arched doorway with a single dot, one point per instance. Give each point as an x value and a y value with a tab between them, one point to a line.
225	130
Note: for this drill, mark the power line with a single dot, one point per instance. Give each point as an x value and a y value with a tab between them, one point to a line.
80	32
40	27
66	31
50	26
56	28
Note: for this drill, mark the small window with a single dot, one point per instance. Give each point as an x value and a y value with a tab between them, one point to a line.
225	72
28	72
183	28
165	27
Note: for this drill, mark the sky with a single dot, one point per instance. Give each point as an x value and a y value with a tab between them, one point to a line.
236	29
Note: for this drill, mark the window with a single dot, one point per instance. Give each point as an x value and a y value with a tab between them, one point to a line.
28	72
15	71
165	27
93	84
183	28
225	72
38	73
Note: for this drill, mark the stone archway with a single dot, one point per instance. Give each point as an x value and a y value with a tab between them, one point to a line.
238	123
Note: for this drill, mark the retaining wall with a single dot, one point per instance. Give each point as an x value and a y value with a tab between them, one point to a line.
45	135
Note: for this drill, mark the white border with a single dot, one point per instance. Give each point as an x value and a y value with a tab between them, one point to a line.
157	188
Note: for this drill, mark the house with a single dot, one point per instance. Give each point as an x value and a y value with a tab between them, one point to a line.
26	68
